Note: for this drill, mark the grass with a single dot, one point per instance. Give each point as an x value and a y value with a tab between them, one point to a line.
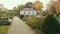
3	29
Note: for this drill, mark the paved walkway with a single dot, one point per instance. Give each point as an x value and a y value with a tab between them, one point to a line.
19	27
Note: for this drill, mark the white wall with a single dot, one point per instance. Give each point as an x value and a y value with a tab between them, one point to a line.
28	12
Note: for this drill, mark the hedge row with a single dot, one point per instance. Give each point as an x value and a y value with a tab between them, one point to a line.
44	24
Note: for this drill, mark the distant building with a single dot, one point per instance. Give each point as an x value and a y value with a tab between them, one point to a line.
28	11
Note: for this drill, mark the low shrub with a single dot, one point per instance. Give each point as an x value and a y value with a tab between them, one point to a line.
36	23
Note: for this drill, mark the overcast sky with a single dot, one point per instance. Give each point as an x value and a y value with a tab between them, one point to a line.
12	3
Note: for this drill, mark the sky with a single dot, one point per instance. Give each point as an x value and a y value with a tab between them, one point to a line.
9	4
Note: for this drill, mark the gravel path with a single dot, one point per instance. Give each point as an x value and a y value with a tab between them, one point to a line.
19	27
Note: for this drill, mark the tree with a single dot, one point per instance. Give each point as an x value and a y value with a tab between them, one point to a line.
15	9
53	10
21	6
1	6
37	5
58	6
50	25
52	7
29	5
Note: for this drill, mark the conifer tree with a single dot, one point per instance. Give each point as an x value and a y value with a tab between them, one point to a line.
50	25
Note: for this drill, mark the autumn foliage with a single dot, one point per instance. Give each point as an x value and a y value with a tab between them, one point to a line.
37	5
58	6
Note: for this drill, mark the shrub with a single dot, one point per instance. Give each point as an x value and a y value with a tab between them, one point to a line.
36	23
32	21
50	25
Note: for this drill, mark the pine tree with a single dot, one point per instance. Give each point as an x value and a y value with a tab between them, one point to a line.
50	25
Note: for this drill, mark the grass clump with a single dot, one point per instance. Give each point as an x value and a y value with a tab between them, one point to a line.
4	29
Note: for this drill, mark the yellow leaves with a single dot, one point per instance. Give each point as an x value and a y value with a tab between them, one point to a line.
58	7
37	5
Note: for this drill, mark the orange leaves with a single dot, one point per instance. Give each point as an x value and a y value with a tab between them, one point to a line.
58	7
37	5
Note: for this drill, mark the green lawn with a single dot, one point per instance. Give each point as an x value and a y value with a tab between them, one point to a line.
3	29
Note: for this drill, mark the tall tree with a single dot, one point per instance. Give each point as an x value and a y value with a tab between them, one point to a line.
50	25
21	6
29	5
58	6
52	7
2	7
15	9
37	5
